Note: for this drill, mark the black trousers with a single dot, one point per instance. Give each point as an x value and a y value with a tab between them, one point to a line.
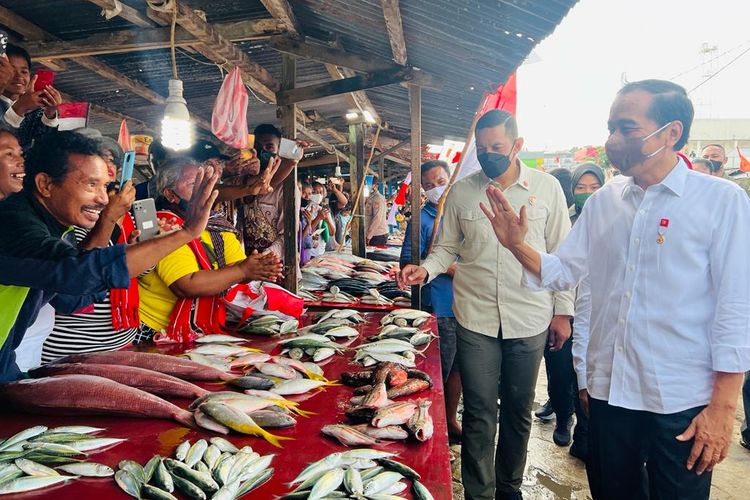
621	441
562	389
745	429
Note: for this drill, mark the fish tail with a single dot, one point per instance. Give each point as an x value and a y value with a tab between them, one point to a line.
272	438
302	413
186	418
333	383
314	376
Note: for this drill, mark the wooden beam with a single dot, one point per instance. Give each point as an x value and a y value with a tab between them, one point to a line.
337	87
315	137
220	50
392	14
390	150
415	107
126	12
321	160
289	194
281	10
325	54
123	41
356	174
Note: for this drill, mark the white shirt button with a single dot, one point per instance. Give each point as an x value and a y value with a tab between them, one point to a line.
619	349
621	321
637	241
642	212
627	295
632	267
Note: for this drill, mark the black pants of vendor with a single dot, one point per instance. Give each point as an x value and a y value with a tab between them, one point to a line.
562	389
483	361
380	240
634	455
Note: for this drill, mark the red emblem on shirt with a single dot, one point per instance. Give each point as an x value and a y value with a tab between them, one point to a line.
664	223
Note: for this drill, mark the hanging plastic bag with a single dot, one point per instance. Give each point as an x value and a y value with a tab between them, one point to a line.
229	117
262	298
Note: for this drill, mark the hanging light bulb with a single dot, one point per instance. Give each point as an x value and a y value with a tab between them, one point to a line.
176	128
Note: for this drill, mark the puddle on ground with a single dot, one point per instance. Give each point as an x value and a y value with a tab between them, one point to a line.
540	485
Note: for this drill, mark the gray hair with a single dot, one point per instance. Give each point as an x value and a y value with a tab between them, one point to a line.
171	171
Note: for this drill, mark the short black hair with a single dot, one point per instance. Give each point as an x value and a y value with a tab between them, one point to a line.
723	150
670	103
429	165
306	184
706	163
565	178
267	129
49	155
497	117
15	50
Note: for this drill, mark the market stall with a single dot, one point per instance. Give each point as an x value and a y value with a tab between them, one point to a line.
147	437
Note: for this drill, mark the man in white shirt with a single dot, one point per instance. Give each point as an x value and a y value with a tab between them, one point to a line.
668	338
502	328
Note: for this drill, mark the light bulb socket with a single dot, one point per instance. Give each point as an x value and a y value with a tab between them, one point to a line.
176	106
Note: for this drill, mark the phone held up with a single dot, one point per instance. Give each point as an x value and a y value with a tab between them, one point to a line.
144	213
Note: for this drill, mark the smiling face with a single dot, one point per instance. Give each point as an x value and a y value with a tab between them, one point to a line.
435	177
82	194
11	165
21	77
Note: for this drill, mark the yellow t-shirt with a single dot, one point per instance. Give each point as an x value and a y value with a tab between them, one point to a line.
156	299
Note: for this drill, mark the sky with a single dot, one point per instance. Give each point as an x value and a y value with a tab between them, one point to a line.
567	85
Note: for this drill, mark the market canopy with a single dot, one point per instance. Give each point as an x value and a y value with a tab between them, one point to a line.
115	54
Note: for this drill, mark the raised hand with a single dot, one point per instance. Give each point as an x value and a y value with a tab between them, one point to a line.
7	72
203	198
51	100
509	228
119	202
261	267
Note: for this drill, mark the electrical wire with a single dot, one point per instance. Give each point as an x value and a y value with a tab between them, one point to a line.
720	70
172	43
710	60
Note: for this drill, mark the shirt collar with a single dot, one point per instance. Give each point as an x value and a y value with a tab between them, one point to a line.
7	100
46	217
430	209
674	181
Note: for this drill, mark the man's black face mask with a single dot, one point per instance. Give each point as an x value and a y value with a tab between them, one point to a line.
265	157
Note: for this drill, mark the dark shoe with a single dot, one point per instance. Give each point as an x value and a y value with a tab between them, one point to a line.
579	451
545	412
562	436
501	495
745	443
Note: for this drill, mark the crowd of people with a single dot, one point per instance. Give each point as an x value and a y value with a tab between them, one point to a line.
629	289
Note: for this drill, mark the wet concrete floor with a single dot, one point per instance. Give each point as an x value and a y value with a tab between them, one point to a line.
552	474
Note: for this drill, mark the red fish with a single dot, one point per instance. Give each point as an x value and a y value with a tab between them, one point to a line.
88	395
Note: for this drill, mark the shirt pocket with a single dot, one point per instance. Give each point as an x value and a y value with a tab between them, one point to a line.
537	221
476	230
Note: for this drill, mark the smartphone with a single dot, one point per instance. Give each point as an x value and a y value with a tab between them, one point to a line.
144	213
3	42
44	77
128	162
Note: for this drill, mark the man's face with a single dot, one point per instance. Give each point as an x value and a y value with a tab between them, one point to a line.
21	78
629	122
11	165
435	177
185	184
306	192
587	184
495	140
268	142
319	189
82	195
715	153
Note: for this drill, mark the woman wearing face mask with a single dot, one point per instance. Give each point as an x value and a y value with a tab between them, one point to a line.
587	179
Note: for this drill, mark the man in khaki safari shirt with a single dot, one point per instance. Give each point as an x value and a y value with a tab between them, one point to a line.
502	327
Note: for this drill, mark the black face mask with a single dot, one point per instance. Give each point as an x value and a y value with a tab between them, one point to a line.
265	157
304	202
715	165
183	206
493	164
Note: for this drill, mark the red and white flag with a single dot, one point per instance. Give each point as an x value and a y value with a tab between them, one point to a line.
123	138
72	115
503	98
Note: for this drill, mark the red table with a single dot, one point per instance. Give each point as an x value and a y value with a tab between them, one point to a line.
148	437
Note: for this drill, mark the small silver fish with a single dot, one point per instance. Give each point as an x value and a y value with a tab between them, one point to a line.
87	469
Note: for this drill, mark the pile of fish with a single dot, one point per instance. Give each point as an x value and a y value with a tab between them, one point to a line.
376	415
33	458
360	473
318	340
217	471
268	325
399	340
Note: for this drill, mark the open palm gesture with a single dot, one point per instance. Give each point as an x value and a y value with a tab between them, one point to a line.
509	228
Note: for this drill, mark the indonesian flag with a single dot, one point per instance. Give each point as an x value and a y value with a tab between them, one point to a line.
503	98
744	162
72	115
123	139
401	196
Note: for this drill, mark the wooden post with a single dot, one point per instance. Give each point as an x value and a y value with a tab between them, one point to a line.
415	106
356	174
289	196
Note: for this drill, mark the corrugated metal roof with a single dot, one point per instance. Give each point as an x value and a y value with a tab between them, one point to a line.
471	44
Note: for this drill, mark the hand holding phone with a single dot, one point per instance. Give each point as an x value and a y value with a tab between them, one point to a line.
128	162
44	78
144	213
